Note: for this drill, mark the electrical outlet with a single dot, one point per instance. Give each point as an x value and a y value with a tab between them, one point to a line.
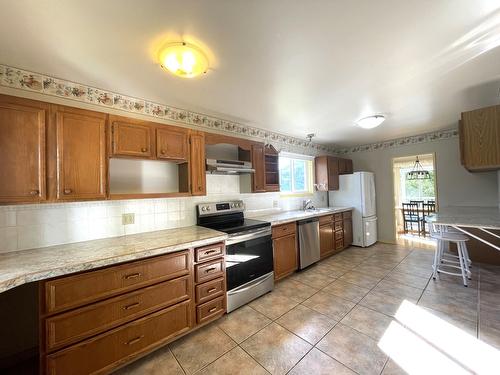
128	219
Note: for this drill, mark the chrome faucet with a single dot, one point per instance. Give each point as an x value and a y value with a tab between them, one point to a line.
306	203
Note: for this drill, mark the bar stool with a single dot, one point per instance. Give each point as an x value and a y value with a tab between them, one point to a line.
448	257
441	258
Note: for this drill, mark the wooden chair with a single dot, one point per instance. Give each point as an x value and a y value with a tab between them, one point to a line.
411	215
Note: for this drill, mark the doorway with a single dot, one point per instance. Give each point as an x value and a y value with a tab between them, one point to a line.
415	196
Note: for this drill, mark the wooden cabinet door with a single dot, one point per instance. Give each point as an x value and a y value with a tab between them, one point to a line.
197	164
285	256
172	144
345	166
480	133
333	173
326	239
258	163
22	150
131	138
347	232
81	154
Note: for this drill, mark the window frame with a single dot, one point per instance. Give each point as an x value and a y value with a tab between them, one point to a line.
308	178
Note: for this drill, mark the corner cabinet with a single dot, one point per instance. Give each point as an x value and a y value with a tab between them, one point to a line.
480	139
81	154
197	167
23	129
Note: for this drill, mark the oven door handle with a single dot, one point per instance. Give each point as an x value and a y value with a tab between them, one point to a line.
248	236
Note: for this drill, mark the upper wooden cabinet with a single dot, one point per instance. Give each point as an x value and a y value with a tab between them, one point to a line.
345	166
81	153
132	138
328	169
172	143
480	139
23	125
258	163
271	168
197	163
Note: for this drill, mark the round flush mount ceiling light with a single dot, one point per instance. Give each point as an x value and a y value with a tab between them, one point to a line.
370	122
183	59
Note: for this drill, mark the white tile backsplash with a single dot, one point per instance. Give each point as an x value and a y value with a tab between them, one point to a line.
33	226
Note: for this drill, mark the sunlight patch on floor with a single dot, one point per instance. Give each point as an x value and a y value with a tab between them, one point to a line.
420	342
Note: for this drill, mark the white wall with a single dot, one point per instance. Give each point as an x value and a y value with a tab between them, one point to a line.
32	226
455	186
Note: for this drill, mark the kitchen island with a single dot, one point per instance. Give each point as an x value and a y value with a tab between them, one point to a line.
481	224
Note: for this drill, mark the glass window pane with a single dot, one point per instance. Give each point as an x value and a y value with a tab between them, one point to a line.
299	175
285	174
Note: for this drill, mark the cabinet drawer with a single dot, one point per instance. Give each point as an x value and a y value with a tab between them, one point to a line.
347	214
325	219
339	234
284	230
209	310
73	291
76	325
339	225
209	271
211	289
338	217
204	253
102	353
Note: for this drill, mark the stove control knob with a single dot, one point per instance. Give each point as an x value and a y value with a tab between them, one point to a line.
232	205
240	204
203	208
208	208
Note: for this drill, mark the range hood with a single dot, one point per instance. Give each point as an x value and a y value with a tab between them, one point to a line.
219	166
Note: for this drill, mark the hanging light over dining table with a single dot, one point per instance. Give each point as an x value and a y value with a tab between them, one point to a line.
418	172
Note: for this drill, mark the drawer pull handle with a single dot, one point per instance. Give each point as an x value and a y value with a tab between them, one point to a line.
132	276
133	341
211	251
67	191
131	306
34	192
208	270
212	309
211	290
144	149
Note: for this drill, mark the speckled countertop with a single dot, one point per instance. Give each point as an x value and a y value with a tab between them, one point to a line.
284	217
25	266
463	216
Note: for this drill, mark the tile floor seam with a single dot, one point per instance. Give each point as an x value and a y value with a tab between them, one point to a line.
255	359
176	360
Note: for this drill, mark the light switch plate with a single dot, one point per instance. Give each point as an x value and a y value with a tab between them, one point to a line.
128	219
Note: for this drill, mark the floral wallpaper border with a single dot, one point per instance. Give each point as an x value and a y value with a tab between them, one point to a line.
31	81
44	84
393	143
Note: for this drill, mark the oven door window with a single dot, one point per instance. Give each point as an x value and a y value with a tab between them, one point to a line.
247	260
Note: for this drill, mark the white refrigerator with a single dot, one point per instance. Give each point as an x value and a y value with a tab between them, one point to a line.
357	190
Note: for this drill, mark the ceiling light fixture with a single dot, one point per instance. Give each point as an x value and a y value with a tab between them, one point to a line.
183	59
418	172
370	122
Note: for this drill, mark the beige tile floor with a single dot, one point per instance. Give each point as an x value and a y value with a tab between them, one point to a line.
333	318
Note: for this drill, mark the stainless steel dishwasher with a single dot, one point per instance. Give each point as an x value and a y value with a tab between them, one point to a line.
308	241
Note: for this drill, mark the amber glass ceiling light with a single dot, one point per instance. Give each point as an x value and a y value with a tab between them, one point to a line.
183	59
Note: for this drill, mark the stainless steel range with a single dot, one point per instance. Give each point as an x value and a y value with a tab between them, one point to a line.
249	250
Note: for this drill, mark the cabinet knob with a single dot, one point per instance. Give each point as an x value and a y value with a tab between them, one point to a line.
144	149
34	192
67	191
162	152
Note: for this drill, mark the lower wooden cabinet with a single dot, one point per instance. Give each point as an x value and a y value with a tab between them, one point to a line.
285	250
104	352
98	320
326	239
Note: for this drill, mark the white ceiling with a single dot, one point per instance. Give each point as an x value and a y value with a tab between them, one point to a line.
291	66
